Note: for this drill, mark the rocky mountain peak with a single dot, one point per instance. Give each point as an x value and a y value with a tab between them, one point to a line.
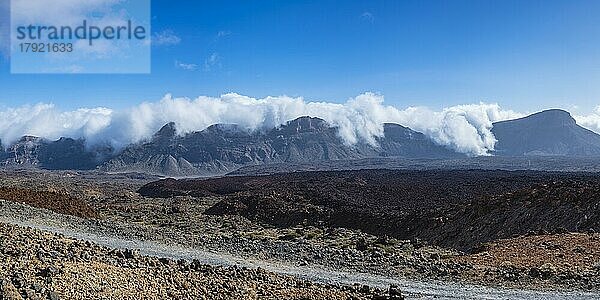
550	117
167	131
306	124
228	128
550	132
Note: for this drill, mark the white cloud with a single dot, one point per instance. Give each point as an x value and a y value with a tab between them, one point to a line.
214	60
368	16
45	120
591	121
165	38
186	66
465	128
223	33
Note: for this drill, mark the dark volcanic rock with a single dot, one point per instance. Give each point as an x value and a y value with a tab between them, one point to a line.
279	209
458	209
551	132
568	204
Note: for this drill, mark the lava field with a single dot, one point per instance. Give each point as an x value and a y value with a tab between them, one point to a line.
458	209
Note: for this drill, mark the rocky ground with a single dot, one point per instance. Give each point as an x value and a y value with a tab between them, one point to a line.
570	259
537	260
41	265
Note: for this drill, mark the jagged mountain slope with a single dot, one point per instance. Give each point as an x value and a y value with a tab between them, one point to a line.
62	154
550	132
224	148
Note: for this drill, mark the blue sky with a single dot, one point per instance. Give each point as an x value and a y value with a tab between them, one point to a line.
524	55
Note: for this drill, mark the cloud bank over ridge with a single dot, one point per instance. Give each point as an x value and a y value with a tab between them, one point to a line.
465	128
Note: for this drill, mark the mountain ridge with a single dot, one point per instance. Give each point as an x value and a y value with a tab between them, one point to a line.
223	148
213	151
551	132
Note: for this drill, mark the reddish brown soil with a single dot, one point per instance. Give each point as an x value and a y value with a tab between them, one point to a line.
54	201
572	250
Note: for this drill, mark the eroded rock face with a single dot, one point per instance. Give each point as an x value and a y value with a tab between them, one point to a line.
224	148
63	154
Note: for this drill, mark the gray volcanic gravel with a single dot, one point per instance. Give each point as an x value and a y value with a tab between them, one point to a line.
41	265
